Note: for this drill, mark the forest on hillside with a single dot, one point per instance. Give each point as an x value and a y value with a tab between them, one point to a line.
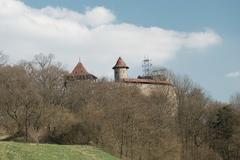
36	106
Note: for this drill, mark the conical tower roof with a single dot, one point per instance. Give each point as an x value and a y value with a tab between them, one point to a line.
79	70
120	64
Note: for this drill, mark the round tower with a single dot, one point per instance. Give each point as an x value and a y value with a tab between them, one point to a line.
120	70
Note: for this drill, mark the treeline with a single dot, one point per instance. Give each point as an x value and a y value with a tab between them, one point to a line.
36	106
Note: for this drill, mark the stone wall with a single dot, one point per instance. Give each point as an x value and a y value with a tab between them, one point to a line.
167	91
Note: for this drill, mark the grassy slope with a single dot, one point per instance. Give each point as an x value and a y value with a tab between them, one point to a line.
21	151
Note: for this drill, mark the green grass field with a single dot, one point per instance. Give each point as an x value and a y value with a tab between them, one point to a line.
22	151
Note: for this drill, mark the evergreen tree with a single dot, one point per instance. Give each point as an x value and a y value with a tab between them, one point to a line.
221	131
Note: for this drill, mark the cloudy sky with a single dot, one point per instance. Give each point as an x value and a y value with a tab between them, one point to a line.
195	38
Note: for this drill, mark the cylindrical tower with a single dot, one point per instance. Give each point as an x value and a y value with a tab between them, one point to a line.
120	70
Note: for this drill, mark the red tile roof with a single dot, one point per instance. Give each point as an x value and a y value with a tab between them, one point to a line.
79	70
146	81
120	64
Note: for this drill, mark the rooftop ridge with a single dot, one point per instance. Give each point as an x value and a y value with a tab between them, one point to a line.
146	81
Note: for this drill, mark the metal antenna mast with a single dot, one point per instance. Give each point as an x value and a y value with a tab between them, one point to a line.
147	66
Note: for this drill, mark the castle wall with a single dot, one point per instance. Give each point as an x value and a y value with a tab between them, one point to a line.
167	91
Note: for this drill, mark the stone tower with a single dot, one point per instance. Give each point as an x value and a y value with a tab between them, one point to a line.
120	70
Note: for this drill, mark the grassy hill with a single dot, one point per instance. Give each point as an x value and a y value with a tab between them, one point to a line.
22	151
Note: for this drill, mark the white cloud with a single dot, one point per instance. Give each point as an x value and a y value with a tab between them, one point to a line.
92	17
93	35
233	74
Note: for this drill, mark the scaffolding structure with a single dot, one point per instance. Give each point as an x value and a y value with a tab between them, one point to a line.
147	67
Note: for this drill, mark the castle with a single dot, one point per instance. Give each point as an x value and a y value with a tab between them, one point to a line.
120	75
147	84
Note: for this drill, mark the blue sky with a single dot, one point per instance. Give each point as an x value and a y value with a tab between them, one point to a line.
208	66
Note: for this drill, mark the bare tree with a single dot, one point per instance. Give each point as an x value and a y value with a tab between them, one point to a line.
19	98
49	75
3	59
235	100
